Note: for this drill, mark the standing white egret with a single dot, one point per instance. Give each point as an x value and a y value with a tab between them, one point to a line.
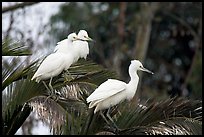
112	91
56	62
81	45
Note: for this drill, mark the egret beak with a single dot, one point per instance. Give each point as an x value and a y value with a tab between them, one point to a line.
146	70
89	39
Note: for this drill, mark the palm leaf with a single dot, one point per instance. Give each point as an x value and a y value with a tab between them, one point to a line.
14	72
167	111
14	97
10	48
14	108
13	121
172	126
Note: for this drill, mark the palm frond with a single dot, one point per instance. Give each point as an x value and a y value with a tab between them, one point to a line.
14	97
10	48
172	126
49	112
168	111
12	121
14	72
105	133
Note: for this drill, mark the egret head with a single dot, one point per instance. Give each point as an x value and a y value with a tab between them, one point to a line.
83	35
72	37
138	66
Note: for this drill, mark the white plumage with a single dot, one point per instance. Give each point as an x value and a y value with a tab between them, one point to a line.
112	91
56	62
52	66
65	44
81	46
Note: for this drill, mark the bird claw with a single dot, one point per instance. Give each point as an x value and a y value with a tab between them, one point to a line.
67	77
53	96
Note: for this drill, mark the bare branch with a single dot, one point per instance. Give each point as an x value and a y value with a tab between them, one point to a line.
16	6
10	25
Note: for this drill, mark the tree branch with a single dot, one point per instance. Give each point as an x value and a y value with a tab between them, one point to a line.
17	6
10	25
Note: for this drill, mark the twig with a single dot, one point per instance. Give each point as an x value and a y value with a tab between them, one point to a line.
16	6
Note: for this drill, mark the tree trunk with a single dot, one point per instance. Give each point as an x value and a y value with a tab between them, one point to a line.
121	34
144	26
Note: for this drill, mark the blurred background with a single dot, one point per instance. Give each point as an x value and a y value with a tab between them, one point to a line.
165	37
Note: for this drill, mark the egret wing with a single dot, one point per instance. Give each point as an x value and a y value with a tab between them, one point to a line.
107	89
50	63
64	43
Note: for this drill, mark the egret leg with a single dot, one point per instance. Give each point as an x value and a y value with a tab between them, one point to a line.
47	89
70	74
50	85
50	90
109	117
46	86
104	118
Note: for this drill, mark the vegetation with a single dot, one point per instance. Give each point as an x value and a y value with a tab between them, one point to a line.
168	38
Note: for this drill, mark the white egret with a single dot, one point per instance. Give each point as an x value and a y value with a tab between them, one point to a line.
81	45
65	46
56	62
112	91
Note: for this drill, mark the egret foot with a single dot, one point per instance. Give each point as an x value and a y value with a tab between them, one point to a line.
68	77
54	96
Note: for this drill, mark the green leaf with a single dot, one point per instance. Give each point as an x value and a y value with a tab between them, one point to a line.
172	126
10	48
13	73
141	120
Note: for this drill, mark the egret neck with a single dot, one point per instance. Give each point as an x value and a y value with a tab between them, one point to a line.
132	85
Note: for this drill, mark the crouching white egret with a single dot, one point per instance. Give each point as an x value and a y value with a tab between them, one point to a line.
81	46
112	91
56	62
